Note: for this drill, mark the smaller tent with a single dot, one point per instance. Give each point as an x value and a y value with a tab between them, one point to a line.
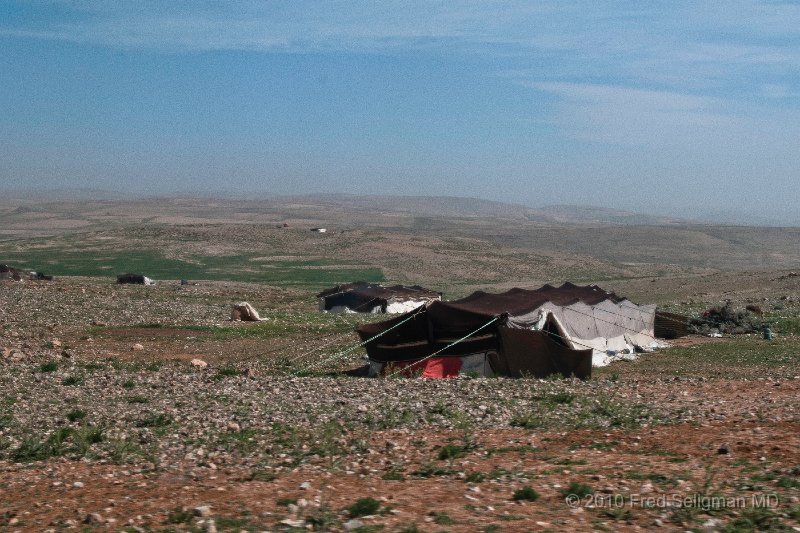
136	279
362	297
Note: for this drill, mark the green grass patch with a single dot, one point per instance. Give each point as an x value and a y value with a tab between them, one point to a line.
79	256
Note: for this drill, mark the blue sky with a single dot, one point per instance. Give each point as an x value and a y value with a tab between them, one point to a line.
671	107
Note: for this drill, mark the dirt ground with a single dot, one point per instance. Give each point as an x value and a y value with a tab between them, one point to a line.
643	479
106	425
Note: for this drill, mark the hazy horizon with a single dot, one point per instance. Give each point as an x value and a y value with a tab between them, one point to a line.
570	211
663	108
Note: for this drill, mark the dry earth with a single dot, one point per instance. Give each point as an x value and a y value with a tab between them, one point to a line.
105	424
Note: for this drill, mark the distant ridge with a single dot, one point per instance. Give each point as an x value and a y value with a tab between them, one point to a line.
407	206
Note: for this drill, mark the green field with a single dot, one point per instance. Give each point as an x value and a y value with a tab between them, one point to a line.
82	259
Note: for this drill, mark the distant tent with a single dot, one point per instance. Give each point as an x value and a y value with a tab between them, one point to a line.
362	297
9	272
136	279
564	330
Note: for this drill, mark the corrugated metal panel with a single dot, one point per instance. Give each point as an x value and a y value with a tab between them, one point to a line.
670	325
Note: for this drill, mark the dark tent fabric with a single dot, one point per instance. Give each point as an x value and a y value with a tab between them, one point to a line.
136	279
535	353
364	297
516	352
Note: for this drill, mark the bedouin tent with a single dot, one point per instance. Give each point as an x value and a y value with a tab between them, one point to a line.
564	330
361	297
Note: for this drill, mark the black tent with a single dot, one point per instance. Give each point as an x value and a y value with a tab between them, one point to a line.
483	327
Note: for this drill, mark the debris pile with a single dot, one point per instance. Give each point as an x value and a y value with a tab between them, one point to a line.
725	319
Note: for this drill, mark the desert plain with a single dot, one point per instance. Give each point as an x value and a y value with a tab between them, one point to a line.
106	425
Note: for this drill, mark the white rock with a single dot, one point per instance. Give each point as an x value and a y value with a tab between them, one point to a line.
199	363
353	524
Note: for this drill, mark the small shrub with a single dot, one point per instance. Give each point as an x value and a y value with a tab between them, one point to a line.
443	519
562	398
580	490
788	483
526	493
84	438
179	516
52	366
322	518
30	449
128	384
451	451
364	507
72	380
121	450
475	477
754	519
393	475
75	415
618	514
155	421
286	502
528	421
136	399
227	372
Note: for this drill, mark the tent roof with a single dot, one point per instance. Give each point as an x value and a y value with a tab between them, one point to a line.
377	291
521	301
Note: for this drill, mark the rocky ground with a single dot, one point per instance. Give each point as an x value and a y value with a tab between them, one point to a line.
105	424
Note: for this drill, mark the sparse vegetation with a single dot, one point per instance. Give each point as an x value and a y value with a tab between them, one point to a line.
526	493
364	507
95	403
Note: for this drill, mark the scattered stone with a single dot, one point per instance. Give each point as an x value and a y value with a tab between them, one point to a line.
199	363
352	525
137	347
723	450
712	524
233	427
305	485
77	485
293	523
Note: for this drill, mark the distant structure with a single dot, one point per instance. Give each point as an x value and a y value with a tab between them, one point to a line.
320	230
135	279
9	272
